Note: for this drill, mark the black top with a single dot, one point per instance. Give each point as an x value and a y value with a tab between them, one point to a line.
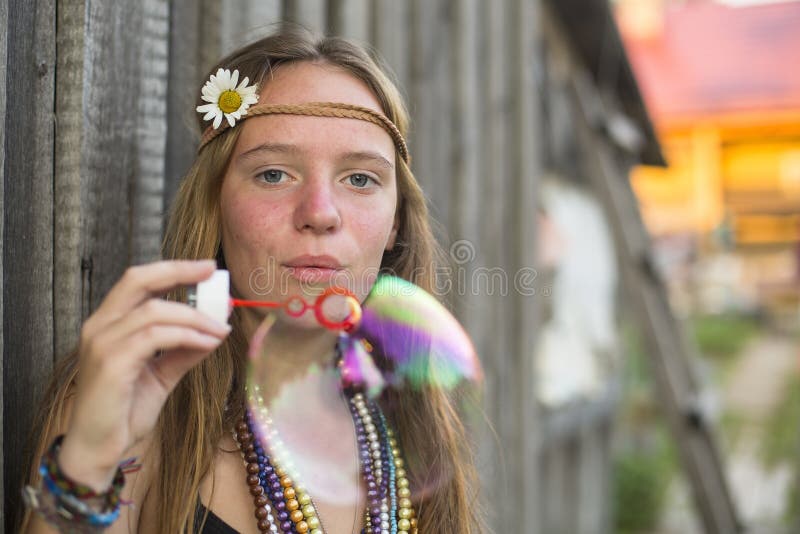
213	525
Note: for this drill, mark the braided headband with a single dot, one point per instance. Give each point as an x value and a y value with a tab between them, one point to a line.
318	109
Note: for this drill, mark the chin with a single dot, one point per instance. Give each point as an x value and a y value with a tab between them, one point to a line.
307	321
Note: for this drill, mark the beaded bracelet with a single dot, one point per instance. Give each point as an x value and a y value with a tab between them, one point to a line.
68	505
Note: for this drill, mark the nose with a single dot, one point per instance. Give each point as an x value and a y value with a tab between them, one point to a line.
316	210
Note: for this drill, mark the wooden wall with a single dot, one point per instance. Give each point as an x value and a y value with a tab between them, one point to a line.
97	103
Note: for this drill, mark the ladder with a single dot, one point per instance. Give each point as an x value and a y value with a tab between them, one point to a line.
666	342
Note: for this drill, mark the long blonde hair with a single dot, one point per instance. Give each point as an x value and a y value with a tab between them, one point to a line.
192	425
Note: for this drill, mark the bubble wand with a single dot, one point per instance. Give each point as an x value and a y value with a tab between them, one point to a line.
424	343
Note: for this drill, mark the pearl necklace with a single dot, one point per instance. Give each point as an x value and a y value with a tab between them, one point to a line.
273	480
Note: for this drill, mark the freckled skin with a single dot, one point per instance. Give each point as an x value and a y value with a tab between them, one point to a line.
308	198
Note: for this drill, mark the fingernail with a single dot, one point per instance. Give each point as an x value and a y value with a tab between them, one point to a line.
222	328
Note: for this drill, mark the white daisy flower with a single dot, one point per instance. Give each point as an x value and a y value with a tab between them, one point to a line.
225	99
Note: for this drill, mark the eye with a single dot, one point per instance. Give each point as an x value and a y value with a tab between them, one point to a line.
360	180
272	176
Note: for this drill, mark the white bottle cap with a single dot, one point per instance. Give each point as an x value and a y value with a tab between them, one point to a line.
214	296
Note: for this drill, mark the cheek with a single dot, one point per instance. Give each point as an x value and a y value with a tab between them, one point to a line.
249	226
373	232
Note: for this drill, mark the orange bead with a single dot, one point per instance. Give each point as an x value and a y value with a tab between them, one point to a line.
289	493
297	516
292	505
302	527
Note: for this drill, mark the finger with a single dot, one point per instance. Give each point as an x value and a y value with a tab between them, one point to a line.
156	311
145	281
115	358
169	368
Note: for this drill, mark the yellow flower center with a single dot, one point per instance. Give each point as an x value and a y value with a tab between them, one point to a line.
229	101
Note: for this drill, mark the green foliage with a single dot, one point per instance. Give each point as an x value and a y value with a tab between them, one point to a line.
724	335
641	482
781	442
782	435
644	461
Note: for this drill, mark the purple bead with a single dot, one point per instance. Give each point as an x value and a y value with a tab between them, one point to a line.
275	485
375	512
286	526
281	505
283	515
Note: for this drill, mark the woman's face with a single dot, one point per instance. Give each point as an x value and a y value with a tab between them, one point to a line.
308	202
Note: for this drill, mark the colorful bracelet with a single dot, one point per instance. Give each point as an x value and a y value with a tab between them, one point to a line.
71	506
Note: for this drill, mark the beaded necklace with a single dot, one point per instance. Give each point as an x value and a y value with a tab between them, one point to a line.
273	481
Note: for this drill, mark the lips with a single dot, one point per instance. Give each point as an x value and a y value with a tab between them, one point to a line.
320	262
314	269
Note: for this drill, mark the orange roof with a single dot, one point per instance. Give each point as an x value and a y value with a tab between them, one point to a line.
712	59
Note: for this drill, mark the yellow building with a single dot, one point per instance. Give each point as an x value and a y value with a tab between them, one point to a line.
723	87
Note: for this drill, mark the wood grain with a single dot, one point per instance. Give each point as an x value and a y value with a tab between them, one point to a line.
28	233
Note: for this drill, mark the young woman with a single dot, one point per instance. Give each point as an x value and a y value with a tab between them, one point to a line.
311	184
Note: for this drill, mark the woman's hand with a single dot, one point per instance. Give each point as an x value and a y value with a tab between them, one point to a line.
122	384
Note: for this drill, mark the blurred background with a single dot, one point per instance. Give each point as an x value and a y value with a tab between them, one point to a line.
724	217
617	185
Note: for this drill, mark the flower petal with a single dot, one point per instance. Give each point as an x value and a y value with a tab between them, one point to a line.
210	115
231	120
225	80
208	89
217	121
235	78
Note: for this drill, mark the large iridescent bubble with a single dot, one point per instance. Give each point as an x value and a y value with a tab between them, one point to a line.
404	343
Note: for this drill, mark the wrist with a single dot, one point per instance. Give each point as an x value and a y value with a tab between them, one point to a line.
81	465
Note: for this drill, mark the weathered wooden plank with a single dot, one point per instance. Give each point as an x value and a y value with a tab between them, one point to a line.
502	408
349	18
465	220
111	84
593	480
194	46
243	21
67	183
262	16
151	132
210	37
28	232
467	216
523	202
3	71
184	83
390	35
430	102
555	466
312	14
